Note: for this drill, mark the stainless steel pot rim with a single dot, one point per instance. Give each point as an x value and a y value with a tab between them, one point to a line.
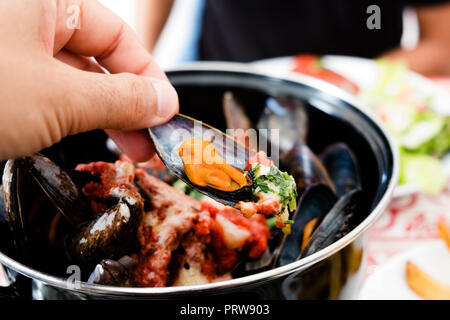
297	266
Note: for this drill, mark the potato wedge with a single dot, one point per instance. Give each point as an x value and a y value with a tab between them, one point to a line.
444	232
307	232
425	285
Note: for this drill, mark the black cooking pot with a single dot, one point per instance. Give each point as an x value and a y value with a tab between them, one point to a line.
334	272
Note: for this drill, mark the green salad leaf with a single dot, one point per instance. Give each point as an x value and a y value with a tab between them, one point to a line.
422	134
423	171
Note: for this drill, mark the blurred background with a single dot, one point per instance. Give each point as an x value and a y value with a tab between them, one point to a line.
180	36
178	39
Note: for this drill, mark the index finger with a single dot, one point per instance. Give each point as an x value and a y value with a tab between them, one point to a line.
105	36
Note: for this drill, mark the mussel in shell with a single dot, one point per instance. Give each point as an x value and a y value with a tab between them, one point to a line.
109	235
290	117
52	180
47	213
323	215
320	220
336	224
341	165
328	186
113	273
306	168
167	138
314	204
223	169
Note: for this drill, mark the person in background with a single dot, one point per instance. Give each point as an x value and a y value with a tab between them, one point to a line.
249	30
50	88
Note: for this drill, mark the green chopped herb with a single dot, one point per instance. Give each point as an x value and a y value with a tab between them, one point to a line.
264	187
282	182
293	203
287	229
196	195
270	222
289	222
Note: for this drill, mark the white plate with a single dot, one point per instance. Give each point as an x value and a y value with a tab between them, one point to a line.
364	73
388	282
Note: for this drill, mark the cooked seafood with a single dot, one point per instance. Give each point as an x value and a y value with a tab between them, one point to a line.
290	117
340	163
126	227
335	224
328	186
168	138
314	205
112	273
118	208
104	228
205	167
274	191
184	241
167	238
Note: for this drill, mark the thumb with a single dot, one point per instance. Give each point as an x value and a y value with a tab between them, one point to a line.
123	102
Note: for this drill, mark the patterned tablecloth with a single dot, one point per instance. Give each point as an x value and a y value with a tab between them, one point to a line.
409	222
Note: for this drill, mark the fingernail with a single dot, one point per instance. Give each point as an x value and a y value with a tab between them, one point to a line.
167	98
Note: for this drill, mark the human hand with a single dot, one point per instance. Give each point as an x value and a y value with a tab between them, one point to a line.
49	88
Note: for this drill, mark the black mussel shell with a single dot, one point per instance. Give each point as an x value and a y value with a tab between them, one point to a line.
231	198
12	208
168	137
314	203
306	168
33	220
109	236
111	273
336	224
2	205
47	236
59	188
5	232
342	167
289	116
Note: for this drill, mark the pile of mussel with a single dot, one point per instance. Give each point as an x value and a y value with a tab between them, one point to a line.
328	184
52	223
